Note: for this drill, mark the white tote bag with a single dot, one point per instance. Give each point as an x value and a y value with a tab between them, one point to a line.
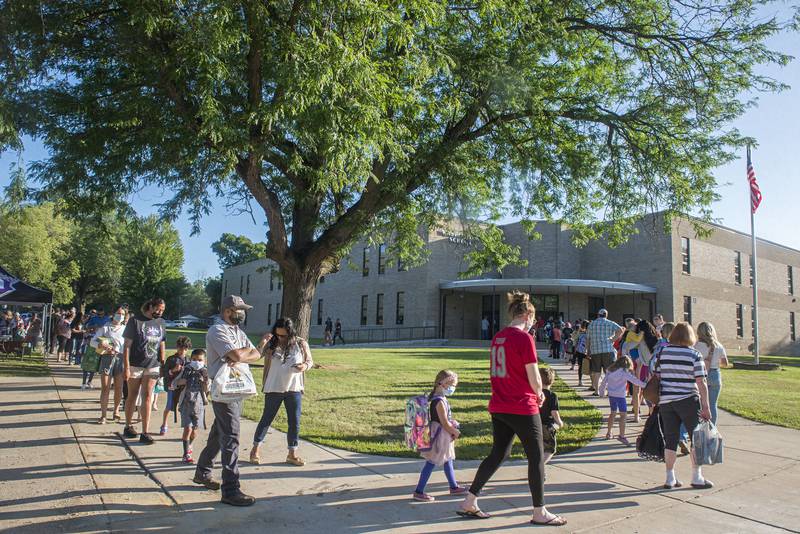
233	383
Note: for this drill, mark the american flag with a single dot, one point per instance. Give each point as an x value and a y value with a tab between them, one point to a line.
755	192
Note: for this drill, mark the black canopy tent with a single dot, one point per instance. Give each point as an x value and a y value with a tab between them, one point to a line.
16	292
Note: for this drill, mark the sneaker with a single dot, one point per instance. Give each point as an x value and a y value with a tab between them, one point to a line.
239	499
129	432
187	458
89	386
460	490
102	421
146	439
422	497
624	441
83	386
209	482
163	430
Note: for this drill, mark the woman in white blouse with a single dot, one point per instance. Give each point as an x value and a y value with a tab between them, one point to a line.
286	359
715	357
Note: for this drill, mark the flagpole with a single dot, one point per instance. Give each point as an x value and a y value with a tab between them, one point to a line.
755	273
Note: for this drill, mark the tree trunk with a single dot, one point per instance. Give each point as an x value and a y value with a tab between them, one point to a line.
299	283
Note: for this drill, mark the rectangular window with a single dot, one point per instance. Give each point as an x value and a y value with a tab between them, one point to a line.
319	312
363	310
382	258
792	333
225	291
277	311
790	278
737	268
365	262
280	281
271	280
751	271
400	311
379	309
687	309
739	320
247	289
269	315
321	279
401	266
685	256
241	284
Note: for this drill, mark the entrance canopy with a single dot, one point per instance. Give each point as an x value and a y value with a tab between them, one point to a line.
15	291
542	285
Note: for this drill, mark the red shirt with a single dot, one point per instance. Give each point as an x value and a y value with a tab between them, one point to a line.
512	350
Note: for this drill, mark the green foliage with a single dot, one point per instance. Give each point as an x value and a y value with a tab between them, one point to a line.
213	289
151	264
195	301
341	117
35	246
97	247
236	249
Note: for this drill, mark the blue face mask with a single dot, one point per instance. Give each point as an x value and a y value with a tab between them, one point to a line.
449	390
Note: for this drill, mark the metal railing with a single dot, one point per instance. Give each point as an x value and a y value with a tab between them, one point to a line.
390	333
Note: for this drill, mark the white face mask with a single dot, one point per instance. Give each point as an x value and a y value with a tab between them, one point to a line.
118	317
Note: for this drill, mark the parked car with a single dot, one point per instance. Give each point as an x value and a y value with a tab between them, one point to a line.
198	325
169	324
180	324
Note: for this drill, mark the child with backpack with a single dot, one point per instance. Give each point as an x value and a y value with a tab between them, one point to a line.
616	381
171	368
443	433
192	400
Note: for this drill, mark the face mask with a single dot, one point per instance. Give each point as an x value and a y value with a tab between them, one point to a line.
238	317
449	390
156	315
119	317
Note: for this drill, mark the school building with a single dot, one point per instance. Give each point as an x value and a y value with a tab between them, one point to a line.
683	276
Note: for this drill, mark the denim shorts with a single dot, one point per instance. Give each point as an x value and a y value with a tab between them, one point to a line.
618	404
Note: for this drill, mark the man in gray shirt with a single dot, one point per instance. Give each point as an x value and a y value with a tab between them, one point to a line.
226	343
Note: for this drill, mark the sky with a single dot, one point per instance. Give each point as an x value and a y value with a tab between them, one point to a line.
774	123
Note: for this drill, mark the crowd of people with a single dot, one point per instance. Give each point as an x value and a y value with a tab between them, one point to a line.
131	358
23	328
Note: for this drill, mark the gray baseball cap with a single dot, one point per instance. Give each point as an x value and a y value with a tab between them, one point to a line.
602	312
235	301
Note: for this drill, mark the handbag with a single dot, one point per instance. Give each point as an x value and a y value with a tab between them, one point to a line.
652	390
650	443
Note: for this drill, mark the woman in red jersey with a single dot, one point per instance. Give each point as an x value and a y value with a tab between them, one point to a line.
514	406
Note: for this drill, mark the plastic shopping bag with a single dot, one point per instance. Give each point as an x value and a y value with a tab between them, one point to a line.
707	444
233	383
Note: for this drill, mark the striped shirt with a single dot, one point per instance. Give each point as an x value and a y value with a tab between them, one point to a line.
679	367
600	332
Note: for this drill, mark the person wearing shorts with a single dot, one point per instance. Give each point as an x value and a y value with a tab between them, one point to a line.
145	344
109	343
600	339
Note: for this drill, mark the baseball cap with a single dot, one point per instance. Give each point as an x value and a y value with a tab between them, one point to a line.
235	301
602	312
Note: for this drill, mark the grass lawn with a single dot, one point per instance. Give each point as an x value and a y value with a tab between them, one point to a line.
31	365
767	396
356	400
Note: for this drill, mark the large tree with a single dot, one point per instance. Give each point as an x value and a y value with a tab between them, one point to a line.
96	247
363	118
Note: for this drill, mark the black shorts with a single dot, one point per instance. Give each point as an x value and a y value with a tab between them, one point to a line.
549	439
686	411
601	361
62	343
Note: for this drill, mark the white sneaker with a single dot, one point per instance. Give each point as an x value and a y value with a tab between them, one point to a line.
83	386
89	385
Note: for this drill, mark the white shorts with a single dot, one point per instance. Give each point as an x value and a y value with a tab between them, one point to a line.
141	372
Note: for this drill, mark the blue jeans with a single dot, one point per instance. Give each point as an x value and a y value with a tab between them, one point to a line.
293	401
714	387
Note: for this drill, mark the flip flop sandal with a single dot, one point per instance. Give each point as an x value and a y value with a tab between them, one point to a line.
707	484
676	485
557	521
473	514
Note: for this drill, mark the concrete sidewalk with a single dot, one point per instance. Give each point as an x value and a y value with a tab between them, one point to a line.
62	472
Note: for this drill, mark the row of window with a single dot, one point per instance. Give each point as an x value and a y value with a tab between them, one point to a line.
399	309
686	266
687	316
365	257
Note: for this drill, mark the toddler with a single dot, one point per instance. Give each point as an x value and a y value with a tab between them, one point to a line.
551	419
616	381
192	400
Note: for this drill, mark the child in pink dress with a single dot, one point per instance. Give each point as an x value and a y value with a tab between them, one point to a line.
444	432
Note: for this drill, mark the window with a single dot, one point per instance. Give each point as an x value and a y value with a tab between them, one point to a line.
751	271
365	262
241	284
271	280
247	289
280	281
363	310
321	279
400	311
382	258
379	309
319	312
277	311
687	309
790	278
685	256
401	266
792	334
737	268
269	314
739	320
225	291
